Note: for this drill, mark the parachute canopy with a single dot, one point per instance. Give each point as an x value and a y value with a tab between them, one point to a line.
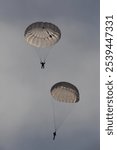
65	92
42	34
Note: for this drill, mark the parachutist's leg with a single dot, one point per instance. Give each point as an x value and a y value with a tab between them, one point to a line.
42	67
53	137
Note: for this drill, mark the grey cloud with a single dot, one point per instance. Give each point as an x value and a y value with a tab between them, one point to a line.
83	11
25	100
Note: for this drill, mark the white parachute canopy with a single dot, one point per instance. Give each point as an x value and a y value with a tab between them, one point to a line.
65	92
42	35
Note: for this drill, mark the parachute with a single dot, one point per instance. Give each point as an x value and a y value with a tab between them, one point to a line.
42	34
65	92
65	96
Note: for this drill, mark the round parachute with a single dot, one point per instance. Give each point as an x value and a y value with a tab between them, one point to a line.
42	34
65	92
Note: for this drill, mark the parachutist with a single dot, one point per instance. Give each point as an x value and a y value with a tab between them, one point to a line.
42	35
54	135
42	64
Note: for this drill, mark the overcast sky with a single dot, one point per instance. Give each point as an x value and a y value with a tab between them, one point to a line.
26	121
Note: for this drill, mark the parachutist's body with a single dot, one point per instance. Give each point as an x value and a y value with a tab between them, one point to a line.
42	64
54	135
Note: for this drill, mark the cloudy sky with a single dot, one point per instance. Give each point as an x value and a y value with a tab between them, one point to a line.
26	121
